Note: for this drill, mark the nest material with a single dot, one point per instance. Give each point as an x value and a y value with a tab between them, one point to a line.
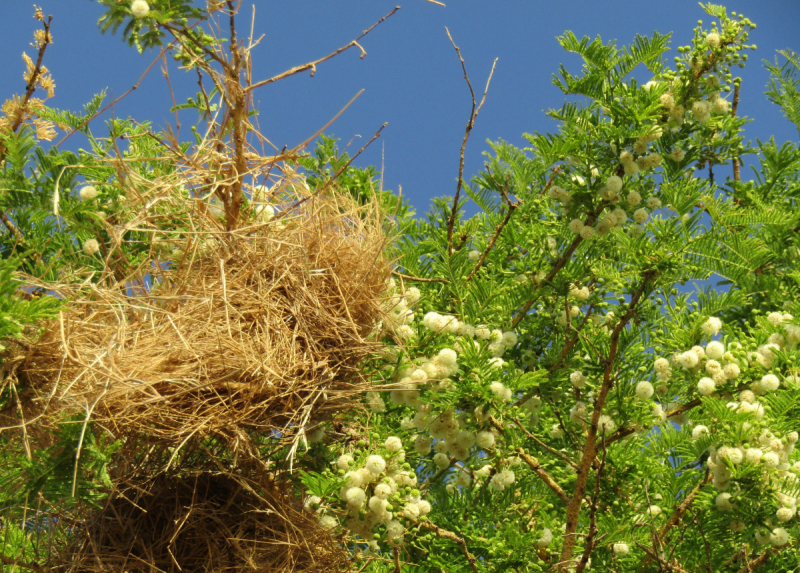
258	332
199	523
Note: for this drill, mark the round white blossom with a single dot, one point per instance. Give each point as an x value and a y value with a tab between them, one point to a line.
546	538
723	501
779	537
139	8
382	491
441	460
705	386
375	464
88	193
91	246
770	382
606	424
393	444
576	226
328	522
621	549
614	183
474	256
731	370
485	440
640	215
698	431
715	350
577	379
688	359
785	513
509	339
644	390
721	105
677	154
713	40
355	497
587	233
633	198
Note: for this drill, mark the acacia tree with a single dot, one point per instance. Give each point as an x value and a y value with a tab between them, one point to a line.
546	397
558	401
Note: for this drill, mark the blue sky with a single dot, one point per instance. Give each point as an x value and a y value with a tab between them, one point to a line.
411	75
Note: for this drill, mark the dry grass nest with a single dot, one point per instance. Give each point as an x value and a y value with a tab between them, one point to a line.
255	332
204	522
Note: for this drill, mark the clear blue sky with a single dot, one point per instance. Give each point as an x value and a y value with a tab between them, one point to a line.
411	75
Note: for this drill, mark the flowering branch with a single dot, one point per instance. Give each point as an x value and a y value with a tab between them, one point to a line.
590	449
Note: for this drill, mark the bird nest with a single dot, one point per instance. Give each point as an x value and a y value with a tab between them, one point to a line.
203	522
253	332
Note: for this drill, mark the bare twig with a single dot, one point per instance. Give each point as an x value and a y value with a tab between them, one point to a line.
313	65
476	108
342	170
31	87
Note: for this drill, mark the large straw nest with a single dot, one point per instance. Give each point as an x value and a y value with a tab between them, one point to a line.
260	331
204	522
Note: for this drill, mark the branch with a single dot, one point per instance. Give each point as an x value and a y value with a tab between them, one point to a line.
11	227
737	177
418	279
543	445
590	449
557	267
470	124
534	465
342	170
512	206
760	560
444	534
16	563
590	539
313	65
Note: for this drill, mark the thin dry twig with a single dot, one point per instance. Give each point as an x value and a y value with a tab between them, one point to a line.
313	65
476	108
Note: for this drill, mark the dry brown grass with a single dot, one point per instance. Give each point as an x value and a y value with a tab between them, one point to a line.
202	522
250	338
259	333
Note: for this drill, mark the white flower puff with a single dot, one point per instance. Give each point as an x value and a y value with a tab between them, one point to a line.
139	8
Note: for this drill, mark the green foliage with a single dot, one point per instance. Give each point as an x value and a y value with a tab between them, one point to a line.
148	32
